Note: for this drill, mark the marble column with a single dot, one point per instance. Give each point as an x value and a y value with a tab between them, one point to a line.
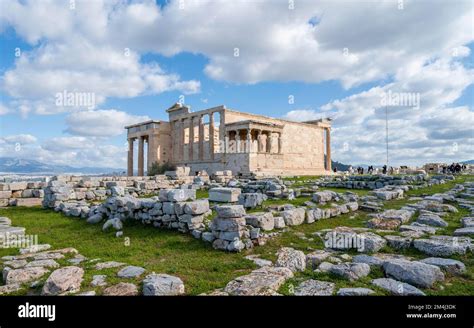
181	138
211	136
130	157
280	143
222	133
201	138
328	149
259	140
191	139
230	143
140	157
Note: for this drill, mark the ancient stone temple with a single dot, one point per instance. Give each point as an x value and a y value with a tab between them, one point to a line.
218	139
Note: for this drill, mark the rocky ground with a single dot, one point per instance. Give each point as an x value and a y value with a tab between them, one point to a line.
41	270
404	241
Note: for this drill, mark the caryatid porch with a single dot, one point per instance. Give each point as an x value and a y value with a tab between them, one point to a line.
252	136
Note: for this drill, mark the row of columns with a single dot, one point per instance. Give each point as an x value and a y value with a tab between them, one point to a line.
189	122
259	136
141	155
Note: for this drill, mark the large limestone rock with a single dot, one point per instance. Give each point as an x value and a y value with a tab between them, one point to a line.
99	280
291	259
396	287
358	291
315	288
177	195
8	289
402	216
197	207
252	200
63	280
115	223
418	228
4	221
399	242
279	222
264	281
108	265
294	216
367	259
24	275
451	266
230	211
468	231
443	246
388	194
324	267
325	196
130	272
314	214
467	222
48	263
383	224
162	285
317	257
15	264
262	220
432	220
371	242
121	289
95	218
350	271
224	195
227	224
415	273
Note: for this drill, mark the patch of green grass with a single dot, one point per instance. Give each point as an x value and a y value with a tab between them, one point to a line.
302	178
299	201
441	187
359	192
202	193
163	251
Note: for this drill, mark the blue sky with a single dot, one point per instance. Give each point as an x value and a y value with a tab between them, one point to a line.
323	55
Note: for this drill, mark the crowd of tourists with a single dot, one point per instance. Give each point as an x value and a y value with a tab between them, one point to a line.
454	168
371	170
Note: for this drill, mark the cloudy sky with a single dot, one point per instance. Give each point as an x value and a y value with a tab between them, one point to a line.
298	60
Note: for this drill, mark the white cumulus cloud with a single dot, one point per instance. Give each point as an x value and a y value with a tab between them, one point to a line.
101	123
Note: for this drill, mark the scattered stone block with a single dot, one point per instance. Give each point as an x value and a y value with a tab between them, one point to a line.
121	289
291	259
315	288
414	273
63	281
396	287
224	195
162	285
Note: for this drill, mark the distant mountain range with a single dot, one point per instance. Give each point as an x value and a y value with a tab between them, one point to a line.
10	165
28	166
339	166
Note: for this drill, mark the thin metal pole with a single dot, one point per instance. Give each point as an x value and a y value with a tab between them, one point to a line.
386	131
